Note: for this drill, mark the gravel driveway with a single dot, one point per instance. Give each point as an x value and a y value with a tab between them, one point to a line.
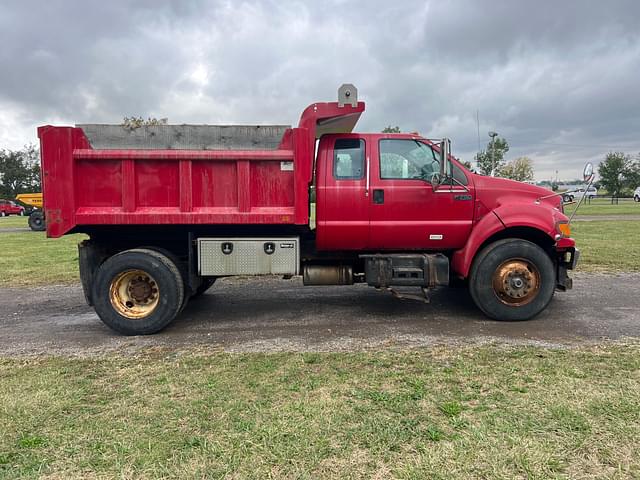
273	315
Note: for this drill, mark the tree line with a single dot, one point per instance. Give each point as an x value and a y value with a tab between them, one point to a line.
19	171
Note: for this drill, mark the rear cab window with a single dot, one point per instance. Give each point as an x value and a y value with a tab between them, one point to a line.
348	159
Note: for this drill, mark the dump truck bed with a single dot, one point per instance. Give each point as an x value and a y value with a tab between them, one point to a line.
183	174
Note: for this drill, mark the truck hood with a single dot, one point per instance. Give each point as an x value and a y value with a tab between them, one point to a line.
492	192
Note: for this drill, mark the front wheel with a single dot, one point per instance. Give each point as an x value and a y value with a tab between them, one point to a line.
138	292
512	279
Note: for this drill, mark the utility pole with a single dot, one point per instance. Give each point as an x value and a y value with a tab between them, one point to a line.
493	136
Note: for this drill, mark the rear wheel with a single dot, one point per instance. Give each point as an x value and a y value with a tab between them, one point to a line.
636	198
512	279
36	221
138	292
3	214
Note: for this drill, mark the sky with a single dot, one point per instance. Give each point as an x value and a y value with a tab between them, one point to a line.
559	80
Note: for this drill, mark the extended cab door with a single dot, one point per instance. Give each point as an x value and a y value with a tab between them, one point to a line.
406	213
342	208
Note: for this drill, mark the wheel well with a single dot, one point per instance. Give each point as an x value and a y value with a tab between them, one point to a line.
94	252
531	234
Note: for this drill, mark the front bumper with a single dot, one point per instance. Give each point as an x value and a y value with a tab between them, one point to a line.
572	257
567	260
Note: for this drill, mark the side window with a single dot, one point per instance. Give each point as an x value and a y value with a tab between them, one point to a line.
407	159
348	159
459	175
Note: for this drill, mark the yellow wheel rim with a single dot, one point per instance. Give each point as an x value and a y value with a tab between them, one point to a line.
516	282
134	294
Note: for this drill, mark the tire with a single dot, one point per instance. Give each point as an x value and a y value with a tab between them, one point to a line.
158	287
182	268
636	198
36	221
207	283
21	213
3	214
501	273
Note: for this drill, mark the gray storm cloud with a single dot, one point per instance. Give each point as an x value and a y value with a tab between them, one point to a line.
557	79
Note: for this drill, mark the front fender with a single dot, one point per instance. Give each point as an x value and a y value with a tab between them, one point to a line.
486	227
538	217
541	217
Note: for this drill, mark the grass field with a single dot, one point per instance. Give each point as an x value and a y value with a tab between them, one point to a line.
604	207
608	246
14	222
29	258
482	412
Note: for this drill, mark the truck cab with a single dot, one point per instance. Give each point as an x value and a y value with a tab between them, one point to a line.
375	192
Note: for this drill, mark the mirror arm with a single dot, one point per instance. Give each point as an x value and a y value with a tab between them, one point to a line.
459	182
593	177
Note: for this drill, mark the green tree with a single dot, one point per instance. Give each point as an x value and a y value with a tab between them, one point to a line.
618	172
495	150
520	169
390	129
632	175
467	165
19	171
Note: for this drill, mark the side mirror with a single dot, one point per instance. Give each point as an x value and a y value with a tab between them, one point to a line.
438	178
587	173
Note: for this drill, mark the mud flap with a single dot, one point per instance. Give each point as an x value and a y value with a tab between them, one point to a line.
90	256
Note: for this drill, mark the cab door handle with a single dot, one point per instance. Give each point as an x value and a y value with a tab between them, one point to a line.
378	196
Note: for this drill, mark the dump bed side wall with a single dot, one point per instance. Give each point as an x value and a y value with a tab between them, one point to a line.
86	186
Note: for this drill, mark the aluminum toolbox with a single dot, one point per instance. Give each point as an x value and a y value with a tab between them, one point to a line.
248	256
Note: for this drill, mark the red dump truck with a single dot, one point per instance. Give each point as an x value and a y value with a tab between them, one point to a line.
170	208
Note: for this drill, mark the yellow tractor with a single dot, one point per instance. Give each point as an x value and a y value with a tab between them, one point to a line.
36	219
